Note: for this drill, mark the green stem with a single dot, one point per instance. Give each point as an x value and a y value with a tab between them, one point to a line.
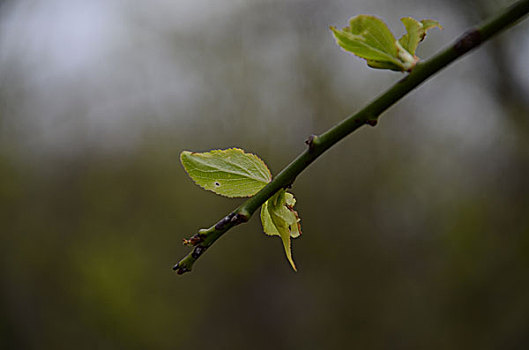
369	115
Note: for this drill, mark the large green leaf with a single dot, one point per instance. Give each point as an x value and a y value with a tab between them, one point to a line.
416	32
368	37
279	218
230	172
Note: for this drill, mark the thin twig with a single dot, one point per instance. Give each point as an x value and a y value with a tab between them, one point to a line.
369	115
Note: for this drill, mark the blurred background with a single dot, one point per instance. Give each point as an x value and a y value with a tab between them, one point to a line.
416	232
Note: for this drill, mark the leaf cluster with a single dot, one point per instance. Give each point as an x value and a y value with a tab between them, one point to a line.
235	173
369	37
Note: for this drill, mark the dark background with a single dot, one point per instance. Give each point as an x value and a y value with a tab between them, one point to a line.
415	233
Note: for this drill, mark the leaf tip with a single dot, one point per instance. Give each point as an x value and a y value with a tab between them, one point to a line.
293	266
184	155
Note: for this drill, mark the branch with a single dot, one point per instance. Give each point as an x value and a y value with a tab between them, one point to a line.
369	115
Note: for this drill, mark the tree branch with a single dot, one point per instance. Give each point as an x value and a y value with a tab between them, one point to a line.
369	115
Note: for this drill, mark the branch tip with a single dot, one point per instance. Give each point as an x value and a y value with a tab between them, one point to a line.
184	265
180	269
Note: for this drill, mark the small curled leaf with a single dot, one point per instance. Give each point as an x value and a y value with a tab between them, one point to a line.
230	172
279	218
416	32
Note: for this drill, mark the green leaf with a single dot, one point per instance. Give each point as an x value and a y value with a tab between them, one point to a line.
429	24
368	37
416	32
384	65
279	218
230	172
411	39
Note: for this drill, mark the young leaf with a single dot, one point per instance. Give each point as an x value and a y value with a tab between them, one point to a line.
416	32
280	219
368	37
429	24
230	172
384	65
410	40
